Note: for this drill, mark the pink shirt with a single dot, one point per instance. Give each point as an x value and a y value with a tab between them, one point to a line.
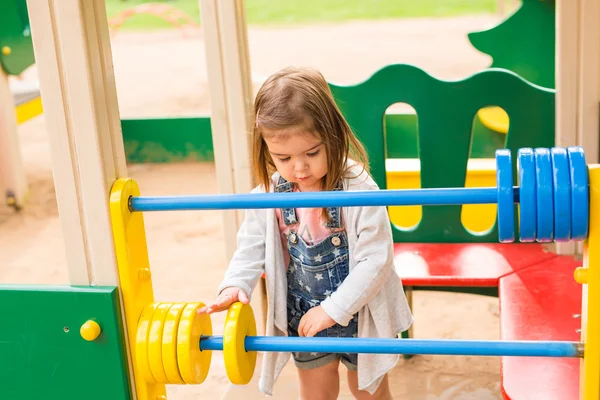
310	227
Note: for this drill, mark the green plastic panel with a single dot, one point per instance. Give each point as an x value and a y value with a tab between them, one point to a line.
43	356
402	140
524	43
162	140
445	112
15	34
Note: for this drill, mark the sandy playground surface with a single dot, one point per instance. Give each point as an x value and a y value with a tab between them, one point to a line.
164	74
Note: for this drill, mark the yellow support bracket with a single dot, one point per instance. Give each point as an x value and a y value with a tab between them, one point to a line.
135	279
589	277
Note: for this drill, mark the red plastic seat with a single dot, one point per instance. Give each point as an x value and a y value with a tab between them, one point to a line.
541	302
463	264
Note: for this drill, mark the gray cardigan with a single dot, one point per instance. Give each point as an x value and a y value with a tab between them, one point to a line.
373	289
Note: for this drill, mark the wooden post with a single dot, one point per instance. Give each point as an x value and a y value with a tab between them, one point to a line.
589	79
13	181
577	82
232	116
567	69
77	85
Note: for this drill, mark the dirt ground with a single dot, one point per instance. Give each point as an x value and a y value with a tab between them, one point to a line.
164	74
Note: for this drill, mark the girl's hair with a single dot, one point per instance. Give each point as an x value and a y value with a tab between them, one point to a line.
301	97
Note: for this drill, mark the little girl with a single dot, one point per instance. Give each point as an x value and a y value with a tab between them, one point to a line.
329	272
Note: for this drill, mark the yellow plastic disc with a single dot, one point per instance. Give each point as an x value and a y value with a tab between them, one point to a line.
239	363
155	337
169	343
193	363
141	343
494	118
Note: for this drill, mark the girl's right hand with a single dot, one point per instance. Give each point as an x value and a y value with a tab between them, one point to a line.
227	297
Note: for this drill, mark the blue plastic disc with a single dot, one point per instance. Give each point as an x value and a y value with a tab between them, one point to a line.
545	200
579	193
561	185
527	195
506	198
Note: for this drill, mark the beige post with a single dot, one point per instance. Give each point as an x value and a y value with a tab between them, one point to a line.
232	117
13	182
567	19
577	82
589	79
73	56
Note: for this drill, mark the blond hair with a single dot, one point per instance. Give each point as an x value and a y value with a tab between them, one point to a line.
301	97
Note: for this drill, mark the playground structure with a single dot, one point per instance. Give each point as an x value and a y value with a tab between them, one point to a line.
21	101
16	54
551	183
93	175
145	140
191	139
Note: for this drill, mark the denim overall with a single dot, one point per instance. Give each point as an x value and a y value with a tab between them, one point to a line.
314	272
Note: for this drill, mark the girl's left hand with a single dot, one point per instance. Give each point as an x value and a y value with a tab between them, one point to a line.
314	321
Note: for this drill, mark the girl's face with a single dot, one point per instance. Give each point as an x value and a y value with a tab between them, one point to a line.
299	156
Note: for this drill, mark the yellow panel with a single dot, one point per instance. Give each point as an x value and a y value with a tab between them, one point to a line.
29	110
135	280
404	174
590	330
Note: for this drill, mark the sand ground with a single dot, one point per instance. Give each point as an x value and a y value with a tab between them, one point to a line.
164	74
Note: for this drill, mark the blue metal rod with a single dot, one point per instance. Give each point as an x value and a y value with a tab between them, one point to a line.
396	197
404	346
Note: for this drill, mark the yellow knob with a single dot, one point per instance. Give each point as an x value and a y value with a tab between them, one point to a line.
6	50
144	274
90	330
581	275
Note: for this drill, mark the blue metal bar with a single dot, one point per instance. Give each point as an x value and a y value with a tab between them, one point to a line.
404	346
396	197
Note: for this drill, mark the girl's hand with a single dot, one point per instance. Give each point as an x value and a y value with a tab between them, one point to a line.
314	321
227	297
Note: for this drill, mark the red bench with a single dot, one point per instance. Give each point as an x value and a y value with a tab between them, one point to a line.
463	264
539	303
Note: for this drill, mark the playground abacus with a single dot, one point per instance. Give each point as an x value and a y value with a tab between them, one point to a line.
172	344
76	332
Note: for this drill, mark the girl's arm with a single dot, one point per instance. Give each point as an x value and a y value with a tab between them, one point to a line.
374	258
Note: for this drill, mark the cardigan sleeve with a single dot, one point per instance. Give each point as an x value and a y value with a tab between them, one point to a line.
373	256
248	261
